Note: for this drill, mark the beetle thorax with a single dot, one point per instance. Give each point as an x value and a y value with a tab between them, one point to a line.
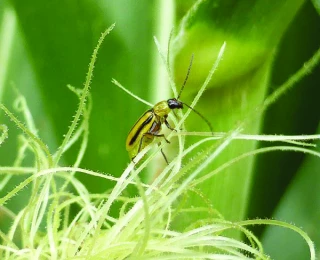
161	109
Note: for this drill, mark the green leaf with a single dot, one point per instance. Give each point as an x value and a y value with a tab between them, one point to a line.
252	31
296	112
60	37
299	205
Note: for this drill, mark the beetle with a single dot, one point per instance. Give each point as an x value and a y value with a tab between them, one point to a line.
148	126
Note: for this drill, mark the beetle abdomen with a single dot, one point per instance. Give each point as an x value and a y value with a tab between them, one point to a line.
141	127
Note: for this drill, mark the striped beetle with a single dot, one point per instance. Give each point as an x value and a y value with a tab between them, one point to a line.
149	124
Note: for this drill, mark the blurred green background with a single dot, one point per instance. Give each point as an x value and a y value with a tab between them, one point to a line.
45	45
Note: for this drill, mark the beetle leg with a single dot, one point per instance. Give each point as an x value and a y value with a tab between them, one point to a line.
156	135
164	156
167	123
163	137
151	135
133	160
140	144
169	126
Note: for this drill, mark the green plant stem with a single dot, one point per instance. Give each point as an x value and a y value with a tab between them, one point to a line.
36	139
4	134
306	69
285	225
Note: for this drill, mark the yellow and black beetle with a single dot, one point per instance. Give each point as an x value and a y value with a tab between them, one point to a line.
149	124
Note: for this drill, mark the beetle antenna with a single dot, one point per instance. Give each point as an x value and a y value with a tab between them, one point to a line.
206	120
187	76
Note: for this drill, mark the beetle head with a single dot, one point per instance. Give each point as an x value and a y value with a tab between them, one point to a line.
173	103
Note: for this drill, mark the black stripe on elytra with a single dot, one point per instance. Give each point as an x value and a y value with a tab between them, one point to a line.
134	138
